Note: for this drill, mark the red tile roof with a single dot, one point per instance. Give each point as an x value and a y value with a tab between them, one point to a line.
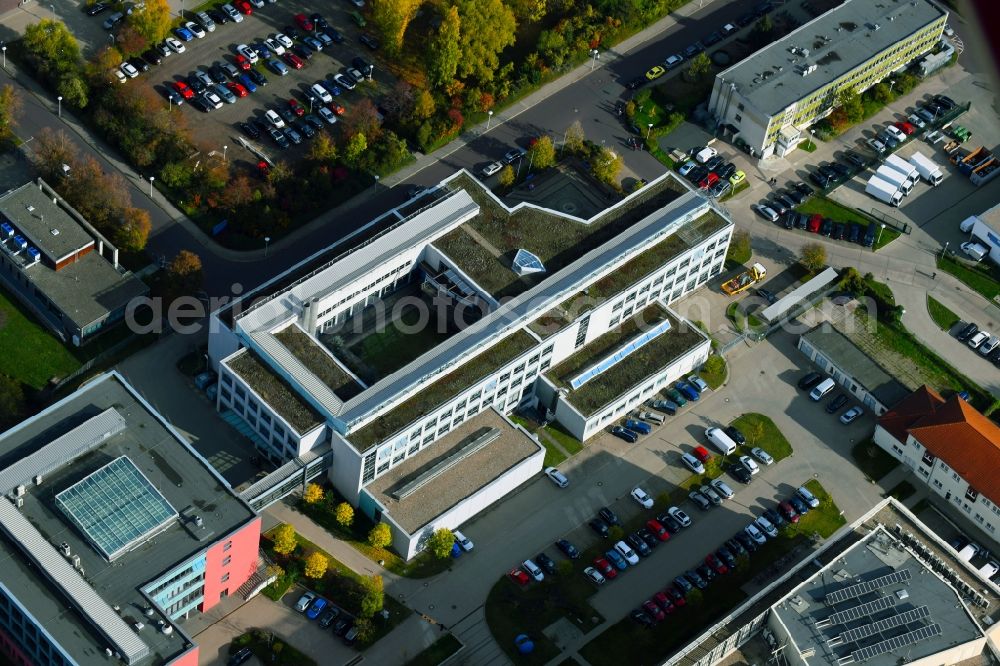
921	402
955	432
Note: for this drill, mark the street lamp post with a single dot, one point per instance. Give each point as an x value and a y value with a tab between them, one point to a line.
375	186
649	131
59	100
224	149
111	36
879	237
4	49
944	252
489	119
151	179
596	54
267	240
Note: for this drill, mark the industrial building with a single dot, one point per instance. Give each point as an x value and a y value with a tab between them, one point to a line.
985	230
882	591
113	530
770	98
421	340
59	267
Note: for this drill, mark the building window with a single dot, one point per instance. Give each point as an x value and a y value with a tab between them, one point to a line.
369	470
927	459
225	578
971	494
226	546
738	117
226	560
740	106
937	483
897	450
581	334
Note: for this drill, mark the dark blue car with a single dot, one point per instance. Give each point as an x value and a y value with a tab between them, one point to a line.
247	82
638	426
185	34
690	392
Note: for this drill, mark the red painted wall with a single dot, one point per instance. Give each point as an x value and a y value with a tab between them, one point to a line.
10	649
189	658
242	563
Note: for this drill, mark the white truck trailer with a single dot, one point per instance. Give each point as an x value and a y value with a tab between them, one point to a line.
884	191
926	168
902	166
902	183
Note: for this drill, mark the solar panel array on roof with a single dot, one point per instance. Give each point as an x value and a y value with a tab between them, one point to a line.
864	610
883	625
921	634
859	589
116	507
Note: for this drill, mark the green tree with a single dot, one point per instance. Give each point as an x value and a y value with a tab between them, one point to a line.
366	630
183	275
152	21
391	17
423	105
11	401
285	539
323	149
344	514
606	167
529	11
850	101
506	176
445	50
372	595
177	175
881	92
73	89
812	257
441	542
542	155
133	232
316	565
313	494
380	536
574	141
355	148
10	109
765	25
488	27
699	66
51	49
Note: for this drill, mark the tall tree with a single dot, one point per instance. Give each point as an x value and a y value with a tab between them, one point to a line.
51	48
372	595
542	155
380	536
52	150
529	11
488	27
152	22
441	542
813	257
10	109
133	233
699	66
606	167
850	101
574	137
184	277
355	148
445	50
391	17
316	565
285	539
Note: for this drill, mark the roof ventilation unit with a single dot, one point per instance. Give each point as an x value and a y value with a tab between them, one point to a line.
64	549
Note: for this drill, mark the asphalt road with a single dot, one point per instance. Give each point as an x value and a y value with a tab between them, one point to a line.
590	100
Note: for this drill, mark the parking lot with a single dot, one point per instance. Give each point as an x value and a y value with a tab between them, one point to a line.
218	127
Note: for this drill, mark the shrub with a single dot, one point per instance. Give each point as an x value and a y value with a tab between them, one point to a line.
344	514
380	536
316	565
285	539
313	494
440	543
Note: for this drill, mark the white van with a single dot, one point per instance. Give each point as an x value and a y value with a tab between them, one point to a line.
721	441
533	570
967	553
989	569
822	389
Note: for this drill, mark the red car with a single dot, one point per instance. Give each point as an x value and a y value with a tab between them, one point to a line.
653	611
657	528
296	108
605	568
663	601
814	223
717	565
702	454
337	108
905	127
789	512
518	576
293	60
243	7
184	89
303	22
708	181
237	89
676	595
242	63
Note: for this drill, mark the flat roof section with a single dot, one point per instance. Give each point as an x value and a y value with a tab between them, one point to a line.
319	361
183	479
43	223
875	604
845	354
281	397
459	481
485	246
837	42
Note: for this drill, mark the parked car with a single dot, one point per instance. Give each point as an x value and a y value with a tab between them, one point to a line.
851	414
739	472
967	332
316	608
568	549
692	463
762	455
556	476
594	575
608	516
625	434
656	527
788	511
616	559
599	526
713	497
749	464
639	544
721	487
834	405
519	576
680	516
302	605
754	533
765	212
766	526
699	499
605	567
810	380
642	497
803	493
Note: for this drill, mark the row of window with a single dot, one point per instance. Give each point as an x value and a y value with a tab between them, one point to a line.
259	417
357	294
27	635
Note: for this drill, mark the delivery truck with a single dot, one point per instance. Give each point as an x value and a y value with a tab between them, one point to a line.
902	183
902	166
884	191
745	280
926	168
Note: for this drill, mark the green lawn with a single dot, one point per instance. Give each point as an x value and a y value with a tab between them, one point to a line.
31	354
437	652
628	643
819	205
270	648
714	372
872	460
761	431
390	349
982	278
941	315
570	443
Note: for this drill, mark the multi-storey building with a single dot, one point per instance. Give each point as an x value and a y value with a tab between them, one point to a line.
458	315
951	447
113	530
59	266
769	98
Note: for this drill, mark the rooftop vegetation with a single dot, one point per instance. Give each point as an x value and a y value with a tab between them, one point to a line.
275	391
319	362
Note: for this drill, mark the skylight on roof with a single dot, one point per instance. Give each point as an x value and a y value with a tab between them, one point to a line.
116	507
525	262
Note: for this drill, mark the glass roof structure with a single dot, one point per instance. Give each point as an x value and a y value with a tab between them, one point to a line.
525	262
620	355
116	507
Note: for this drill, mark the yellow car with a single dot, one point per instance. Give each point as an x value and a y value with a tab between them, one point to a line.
655	73
737	178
